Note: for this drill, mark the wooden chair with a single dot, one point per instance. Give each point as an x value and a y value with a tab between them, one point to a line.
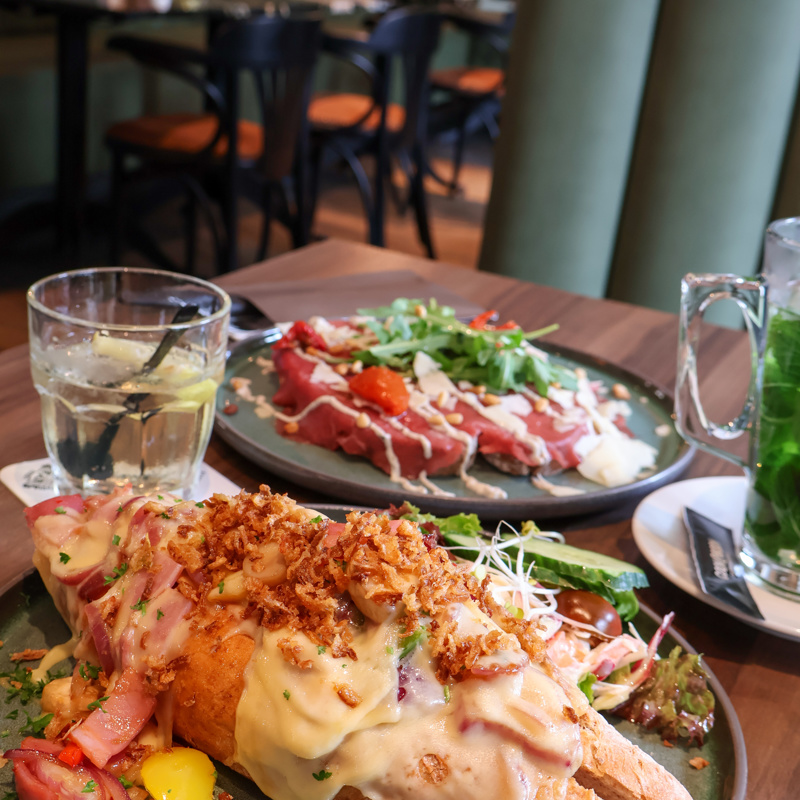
214	154
353	125
473	93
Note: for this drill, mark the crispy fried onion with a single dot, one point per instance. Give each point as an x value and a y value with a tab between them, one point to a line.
387	562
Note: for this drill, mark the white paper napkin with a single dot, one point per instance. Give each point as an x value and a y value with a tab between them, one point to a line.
32	482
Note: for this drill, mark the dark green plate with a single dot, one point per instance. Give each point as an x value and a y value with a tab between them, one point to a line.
28	618
356	480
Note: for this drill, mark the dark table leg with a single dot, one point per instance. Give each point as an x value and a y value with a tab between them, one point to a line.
71	152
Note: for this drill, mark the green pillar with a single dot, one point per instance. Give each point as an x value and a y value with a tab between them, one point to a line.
576	75
715	117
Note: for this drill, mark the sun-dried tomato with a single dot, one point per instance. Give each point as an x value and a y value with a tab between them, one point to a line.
382	386
481	323
302	333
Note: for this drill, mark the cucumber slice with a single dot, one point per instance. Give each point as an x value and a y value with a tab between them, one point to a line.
584	565
564	565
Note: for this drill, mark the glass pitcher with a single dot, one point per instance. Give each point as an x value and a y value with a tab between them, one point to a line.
770	303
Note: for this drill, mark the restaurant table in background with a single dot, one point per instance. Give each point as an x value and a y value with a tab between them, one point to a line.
760	672
73	20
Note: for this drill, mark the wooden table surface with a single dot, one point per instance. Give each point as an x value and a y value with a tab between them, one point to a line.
760	672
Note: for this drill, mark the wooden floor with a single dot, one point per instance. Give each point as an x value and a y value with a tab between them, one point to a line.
456	222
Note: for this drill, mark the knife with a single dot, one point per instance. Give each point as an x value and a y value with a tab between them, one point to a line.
720	574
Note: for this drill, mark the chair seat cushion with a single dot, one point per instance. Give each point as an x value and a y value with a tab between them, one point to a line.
330	112
185	133
469	80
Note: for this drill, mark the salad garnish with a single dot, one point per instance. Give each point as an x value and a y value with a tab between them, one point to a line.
497	358
610	662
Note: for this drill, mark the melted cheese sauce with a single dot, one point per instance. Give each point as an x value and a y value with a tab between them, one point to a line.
502	737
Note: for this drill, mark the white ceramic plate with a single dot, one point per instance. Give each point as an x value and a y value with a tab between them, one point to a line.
660	534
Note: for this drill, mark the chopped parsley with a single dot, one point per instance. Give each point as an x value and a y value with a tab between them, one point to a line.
159	614
344	666
61	510
13	714
389	650
99	704
88	671
115	540
64	557
287	694
316	520
410	643
164	515
322	775
200	505
89	788
36	725
5	734
119	510
126	784
221	587
140	605
446	693
160	496
26	688
321	649
10	796
117	573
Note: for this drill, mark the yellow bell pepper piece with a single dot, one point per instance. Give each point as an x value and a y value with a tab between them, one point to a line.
179	774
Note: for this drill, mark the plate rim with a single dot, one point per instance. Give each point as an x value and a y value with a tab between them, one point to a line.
539	506
641	531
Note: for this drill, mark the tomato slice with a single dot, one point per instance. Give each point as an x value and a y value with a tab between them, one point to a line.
382	386
47	507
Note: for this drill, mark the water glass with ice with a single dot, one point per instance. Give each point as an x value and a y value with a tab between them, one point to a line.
127	362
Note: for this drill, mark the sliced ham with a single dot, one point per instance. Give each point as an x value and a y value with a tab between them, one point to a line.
110	729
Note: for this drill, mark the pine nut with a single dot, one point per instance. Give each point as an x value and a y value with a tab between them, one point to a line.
312	351
362	421
580	374
541	404
356	367
420	311
436	419
341	369
291	427
442	399
620	392
455	418
491	400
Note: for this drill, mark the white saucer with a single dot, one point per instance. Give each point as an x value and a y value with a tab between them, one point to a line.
660	535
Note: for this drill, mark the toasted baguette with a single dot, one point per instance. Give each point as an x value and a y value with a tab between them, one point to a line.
618	770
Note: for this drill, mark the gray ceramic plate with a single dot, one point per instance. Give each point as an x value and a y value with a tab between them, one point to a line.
28	618
356	480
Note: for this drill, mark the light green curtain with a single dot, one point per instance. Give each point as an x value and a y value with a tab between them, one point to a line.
718	105
576	74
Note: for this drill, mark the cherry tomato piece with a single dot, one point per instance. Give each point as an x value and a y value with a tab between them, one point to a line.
589	608
382	386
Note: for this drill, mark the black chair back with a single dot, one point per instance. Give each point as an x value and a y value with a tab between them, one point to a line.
280	54
411	36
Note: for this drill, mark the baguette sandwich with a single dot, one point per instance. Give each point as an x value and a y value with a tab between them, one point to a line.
320	659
